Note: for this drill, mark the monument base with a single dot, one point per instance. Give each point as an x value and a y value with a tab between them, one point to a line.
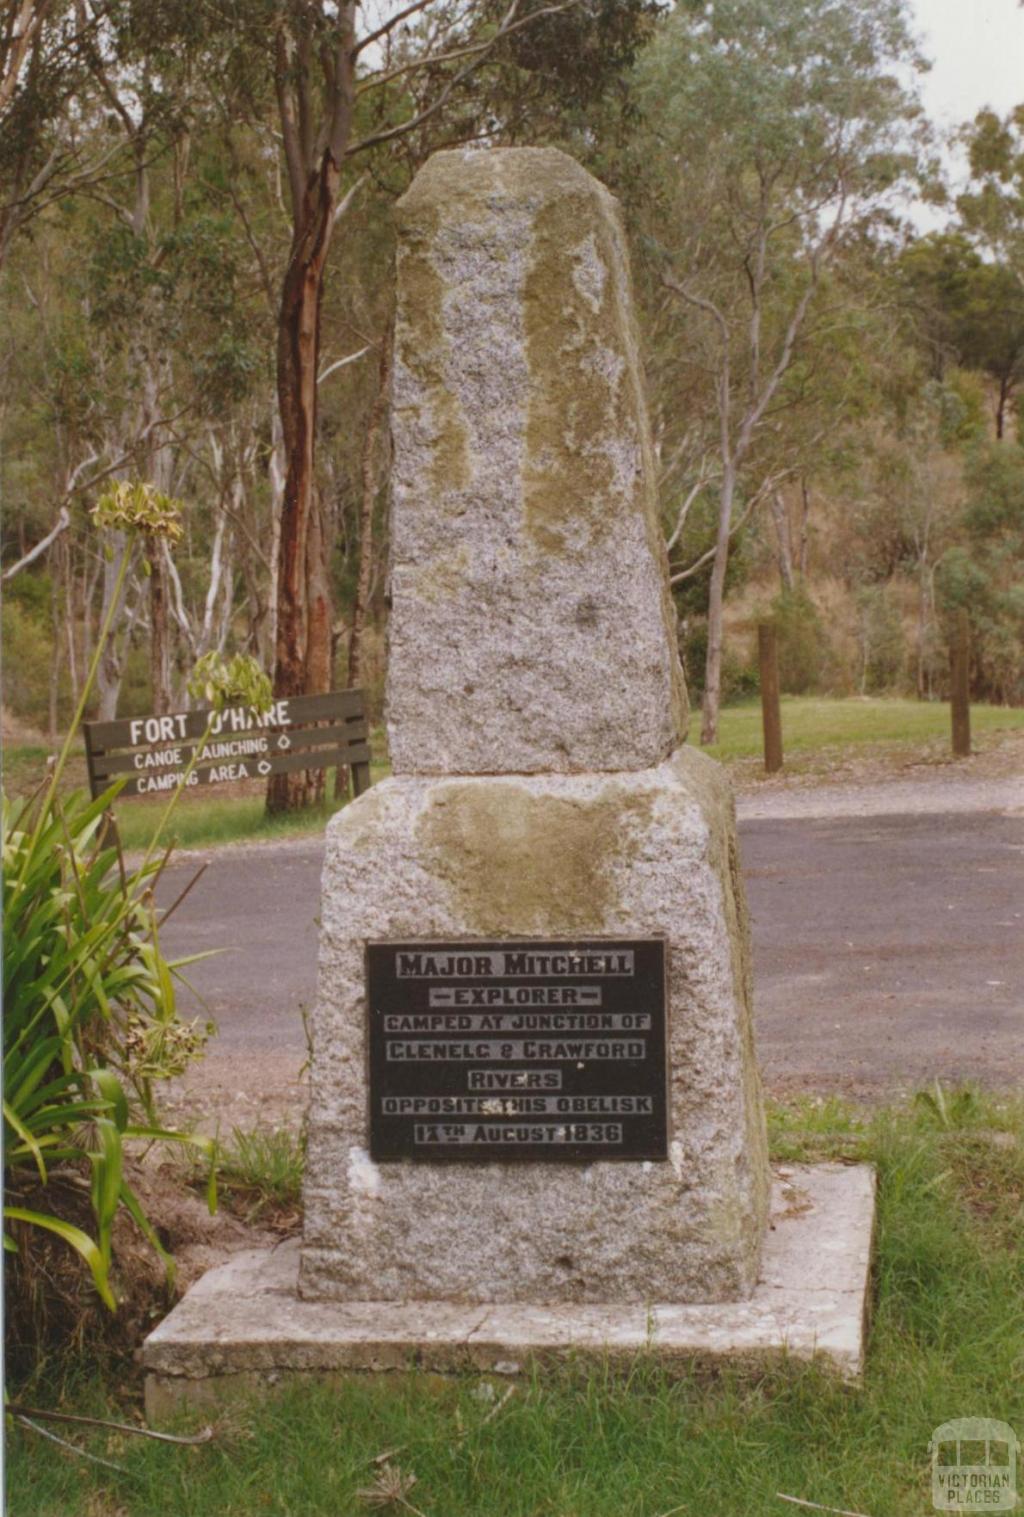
638	854
243	1326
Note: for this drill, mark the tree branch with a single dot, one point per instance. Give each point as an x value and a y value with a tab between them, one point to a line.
345	203
340	363
389	26
289	126
61	525
687	506
26	22
73	488
740	522
506	29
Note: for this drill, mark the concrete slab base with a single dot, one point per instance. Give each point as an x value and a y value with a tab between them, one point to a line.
243	1325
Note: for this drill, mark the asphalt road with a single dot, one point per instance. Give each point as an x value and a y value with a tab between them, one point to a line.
888	951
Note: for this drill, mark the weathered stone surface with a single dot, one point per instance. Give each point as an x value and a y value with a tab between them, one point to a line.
642	854
244	1327
525	545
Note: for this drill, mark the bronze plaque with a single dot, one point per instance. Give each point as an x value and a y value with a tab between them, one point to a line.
522	1050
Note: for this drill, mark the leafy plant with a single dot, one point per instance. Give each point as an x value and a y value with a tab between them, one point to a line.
91	1020
260	1169
950	1110
802	639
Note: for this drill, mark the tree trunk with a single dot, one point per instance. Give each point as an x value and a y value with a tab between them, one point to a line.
56	555
370	484
276	474
73	601
1004	395
319	640
922	625
781	520
159	647
805	517
370	475
303	644
111	666
716	598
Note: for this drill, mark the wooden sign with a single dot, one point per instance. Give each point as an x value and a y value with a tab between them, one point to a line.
303	732
517	1050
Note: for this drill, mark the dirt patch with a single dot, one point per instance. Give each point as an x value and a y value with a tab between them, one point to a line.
52	1307
905	782
241	1091
997	756
14	730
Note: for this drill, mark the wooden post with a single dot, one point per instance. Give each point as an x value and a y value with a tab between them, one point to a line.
771	711
960	694
109	837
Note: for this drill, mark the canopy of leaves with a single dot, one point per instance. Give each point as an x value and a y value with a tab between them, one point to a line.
800	102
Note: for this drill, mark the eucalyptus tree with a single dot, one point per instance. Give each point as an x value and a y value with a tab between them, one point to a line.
778	132
50	106
357	87
992	207
968	310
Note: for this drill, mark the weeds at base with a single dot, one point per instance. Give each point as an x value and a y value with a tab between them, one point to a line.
946	1341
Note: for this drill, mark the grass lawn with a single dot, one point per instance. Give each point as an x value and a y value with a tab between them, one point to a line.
810	724
199	819
947	1340
812	729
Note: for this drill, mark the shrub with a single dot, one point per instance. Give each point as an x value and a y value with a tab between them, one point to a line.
804	653
28	647
90	1018
740	680
881	640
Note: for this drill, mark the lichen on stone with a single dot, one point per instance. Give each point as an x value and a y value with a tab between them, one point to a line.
577	415
517	862
423	351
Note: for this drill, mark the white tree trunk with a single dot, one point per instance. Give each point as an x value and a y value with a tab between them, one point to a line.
111	666
716	600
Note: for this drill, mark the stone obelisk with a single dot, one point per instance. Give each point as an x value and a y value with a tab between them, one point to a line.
541	784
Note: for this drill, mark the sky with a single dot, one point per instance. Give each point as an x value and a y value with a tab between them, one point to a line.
976	49
977	53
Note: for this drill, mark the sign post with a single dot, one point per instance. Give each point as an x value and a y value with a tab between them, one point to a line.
771	708
960	697
238	743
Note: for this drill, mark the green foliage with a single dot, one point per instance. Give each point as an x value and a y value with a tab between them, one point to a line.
779	93
950	1110
740	680
27	645
883	651
698	537
566	62
966	311
236	681
804	653
630	1440
30	593
260	1170
986	575
993	207
90	1019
